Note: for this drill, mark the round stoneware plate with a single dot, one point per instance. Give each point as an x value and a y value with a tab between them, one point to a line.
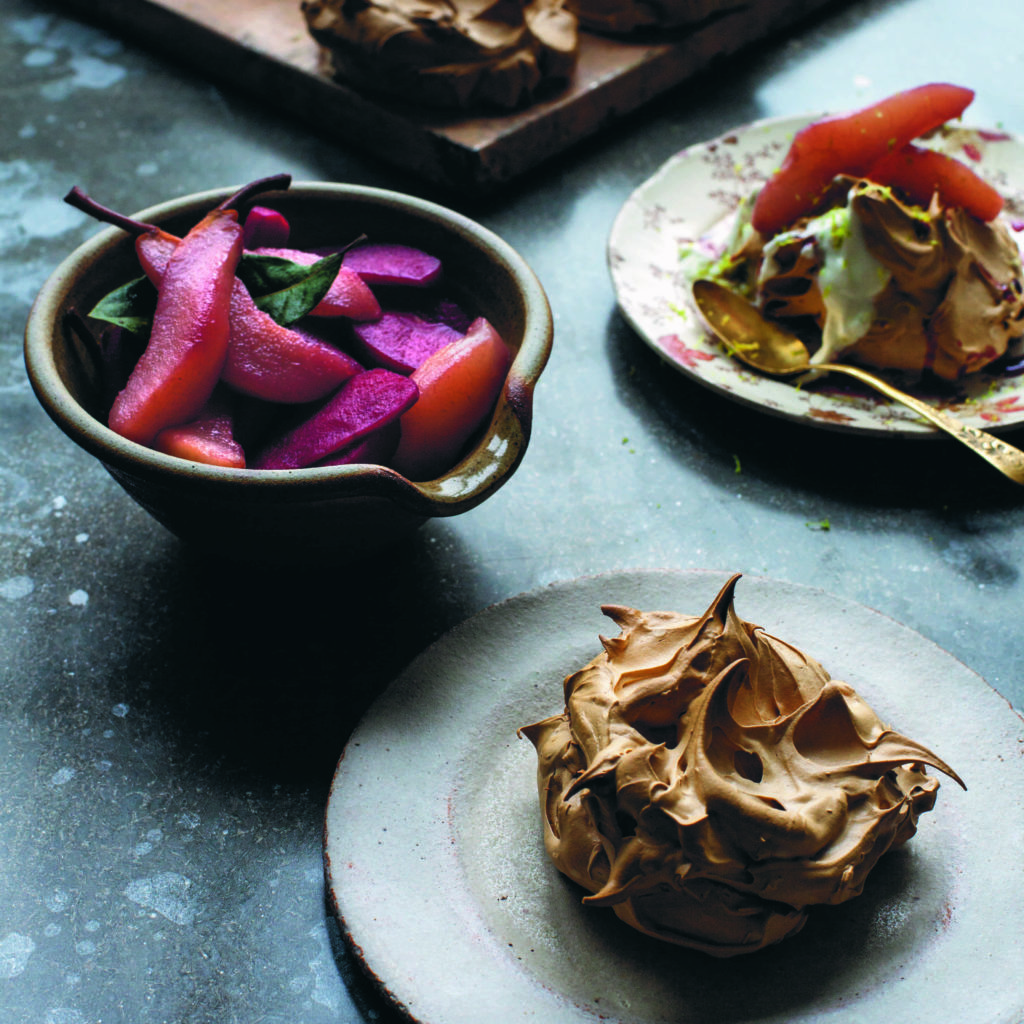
437	870
684	209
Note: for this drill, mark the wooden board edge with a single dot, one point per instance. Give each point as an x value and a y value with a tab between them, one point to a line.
439	152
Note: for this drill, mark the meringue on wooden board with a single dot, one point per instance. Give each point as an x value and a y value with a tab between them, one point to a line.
448	53
473	54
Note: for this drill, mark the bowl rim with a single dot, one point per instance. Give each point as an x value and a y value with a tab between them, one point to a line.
464	486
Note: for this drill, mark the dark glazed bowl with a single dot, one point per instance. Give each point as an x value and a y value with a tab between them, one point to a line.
286	516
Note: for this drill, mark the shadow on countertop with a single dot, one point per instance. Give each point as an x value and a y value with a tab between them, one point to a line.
264	671
933	473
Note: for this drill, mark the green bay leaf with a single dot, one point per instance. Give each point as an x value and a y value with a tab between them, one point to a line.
284	289
131	306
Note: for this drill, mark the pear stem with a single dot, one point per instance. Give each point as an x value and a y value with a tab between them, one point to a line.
78	199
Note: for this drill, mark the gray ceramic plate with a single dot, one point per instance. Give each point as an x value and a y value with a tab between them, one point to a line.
438	875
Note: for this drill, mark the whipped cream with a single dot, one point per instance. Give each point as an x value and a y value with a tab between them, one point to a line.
849	278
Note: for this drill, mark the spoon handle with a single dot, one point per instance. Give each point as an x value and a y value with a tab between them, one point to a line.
1007	459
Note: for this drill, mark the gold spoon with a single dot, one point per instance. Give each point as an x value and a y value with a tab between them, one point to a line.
770	348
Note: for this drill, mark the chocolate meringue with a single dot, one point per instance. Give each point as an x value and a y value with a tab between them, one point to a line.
894	286
709	782
448	53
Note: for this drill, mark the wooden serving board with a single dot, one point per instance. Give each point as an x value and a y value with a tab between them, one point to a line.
263	46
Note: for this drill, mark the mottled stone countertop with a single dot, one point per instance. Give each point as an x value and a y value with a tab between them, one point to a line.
169	728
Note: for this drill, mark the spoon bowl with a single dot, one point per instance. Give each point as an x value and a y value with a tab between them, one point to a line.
768	347
748	335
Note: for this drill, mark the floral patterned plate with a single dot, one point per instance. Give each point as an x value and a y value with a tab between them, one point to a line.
679	211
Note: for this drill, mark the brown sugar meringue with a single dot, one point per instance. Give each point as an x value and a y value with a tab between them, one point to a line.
895	286
448	53
709	782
